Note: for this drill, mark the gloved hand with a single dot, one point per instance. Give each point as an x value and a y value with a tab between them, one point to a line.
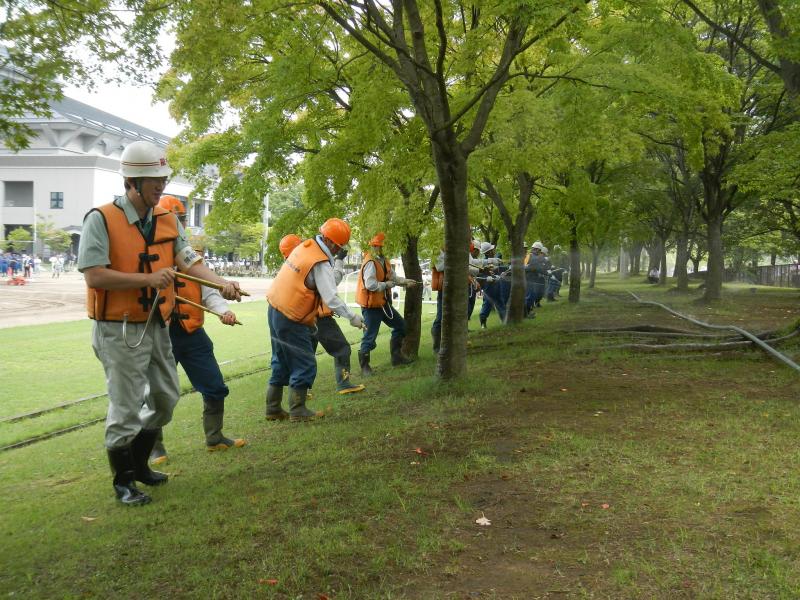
390	284
342	253
410	283
491	279
357	322
493	261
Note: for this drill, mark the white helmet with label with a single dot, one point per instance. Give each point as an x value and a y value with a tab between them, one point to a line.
486	246
538	245
144	159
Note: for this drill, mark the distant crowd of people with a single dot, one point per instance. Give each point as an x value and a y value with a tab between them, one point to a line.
15	264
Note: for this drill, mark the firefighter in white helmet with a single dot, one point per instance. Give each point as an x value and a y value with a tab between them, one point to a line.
127	255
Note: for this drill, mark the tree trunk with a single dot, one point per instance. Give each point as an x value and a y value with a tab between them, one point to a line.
412	310
574	266
593	271
653	256
515	311
773	258
716	259
451	170
681	258
636	258
662	272
624	263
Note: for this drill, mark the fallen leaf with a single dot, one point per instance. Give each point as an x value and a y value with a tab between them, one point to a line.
483	521
563	389
414	462
322	597
584	504
605	506
420	451
268	581
557	536
89	519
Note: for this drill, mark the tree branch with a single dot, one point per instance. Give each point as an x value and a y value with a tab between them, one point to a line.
732	36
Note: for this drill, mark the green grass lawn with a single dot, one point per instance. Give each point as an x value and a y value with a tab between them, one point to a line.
604	473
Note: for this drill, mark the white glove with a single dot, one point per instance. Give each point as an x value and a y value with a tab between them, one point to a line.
491	279
410	283
493	261
357	322
389	285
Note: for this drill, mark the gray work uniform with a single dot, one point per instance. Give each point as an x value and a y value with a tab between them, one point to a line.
142	382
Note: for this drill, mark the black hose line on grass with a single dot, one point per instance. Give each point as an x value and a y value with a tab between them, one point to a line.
746	334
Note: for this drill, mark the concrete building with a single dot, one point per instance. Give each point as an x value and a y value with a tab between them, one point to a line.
71	166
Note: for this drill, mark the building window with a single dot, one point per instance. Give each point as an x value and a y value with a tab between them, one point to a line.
56	199
18	194
198	214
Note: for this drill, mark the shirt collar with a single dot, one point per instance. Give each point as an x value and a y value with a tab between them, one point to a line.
130	211
324	248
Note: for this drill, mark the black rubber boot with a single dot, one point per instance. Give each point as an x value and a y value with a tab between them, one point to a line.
483	323
141	447
297	406
363	362
122	467
274	399
341	366
436	334
213	414
398	359
158	455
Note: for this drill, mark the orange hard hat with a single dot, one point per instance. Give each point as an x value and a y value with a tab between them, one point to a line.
336	231
172	204
378	239
289	243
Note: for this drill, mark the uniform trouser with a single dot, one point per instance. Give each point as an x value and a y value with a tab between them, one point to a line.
437	321
553	287
373	317
330	336
472	295
293	361
534	291
492	299
142	382
195	353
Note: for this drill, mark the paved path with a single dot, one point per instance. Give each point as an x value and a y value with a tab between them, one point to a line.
47	300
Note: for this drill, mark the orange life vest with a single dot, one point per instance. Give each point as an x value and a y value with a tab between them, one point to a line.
130	252
190	317
289	293
366	298
324	311
437	280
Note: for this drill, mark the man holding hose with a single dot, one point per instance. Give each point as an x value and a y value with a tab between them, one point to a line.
127	253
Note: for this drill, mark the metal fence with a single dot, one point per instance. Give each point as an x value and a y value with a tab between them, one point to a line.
777	275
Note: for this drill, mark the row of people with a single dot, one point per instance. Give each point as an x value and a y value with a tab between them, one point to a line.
147	318
302	301
491	277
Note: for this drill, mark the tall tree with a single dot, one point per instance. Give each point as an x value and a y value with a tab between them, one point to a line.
449	65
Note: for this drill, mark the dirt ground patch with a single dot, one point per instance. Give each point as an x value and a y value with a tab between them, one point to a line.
552	535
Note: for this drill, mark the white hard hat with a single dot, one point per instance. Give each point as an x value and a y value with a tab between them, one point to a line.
545	250
476	243
486	246
538	245
144	159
